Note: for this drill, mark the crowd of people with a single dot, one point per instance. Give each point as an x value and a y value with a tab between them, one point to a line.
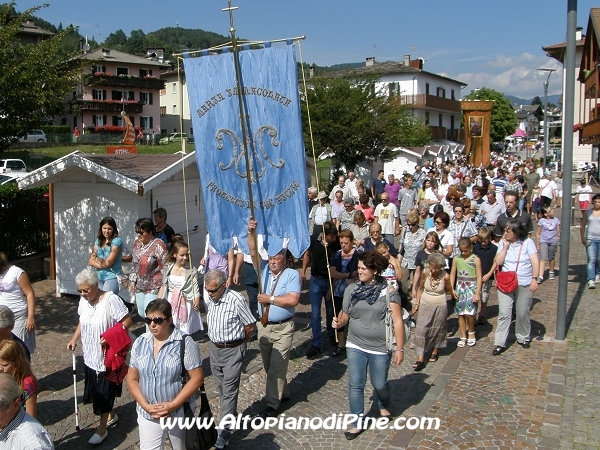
428	244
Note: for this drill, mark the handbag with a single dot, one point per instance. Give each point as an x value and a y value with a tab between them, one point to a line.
197	438
390	338
125	294
507	281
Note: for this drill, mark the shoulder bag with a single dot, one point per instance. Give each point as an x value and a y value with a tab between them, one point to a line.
197	438
264	319
507	281
390	338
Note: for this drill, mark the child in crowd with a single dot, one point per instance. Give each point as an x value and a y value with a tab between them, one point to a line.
14	362
546	238
583	194
393	273
536	199
430	245
485	250
466	273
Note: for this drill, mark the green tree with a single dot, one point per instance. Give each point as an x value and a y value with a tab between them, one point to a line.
504	119
355	122
34	80
536	100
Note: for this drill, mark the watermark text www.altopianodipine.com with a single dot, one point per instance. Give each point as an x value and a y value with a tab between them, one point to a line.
283	422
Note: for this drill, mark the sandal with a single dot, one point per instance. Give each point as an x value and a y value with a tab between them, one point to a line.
338	351
471	341
462	342
434	357
418	366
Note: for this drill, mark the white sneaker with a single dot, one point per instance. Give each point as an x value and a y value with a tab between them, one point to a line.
221	443
598	278
591	284
551	276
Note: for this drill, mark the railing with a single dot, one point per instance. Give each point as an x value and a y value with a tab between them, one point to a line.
99	105
590	83
437	132
131	82
430	101
590	134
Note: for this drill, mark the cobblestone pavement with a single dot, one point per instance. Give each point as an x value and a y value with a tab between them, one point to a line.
519	399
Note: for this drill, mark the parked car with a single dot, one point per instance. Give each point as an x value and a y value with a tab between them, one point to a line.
15	166
8	178
173	137
34	136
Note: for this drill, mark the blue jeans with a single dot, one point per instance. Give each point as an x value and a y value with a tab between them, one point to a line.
110	285
593	258
378	365
319	289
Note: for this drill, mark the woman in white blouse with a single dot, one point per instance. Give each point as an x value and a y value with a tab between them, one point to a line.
517	253
98	311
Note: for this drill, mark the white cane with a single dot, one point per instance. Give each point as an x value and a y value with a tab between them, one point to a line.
75	393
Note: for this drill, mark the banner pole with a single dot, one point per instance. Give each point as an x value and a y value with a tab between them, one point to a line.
245	140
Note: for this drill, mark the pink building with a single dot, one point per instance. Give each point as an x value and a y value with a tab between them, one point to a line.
117	81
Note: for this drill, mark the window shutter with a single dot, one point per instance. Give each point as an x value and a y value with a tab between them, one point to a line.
150	98
103	94
151	122
103	120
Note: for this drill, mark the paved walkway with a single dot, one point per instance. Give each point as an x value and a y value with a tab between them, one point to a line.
544	397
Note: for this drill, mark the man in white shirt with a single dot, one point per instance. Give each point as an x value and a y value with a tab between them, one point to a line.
386	215
491	210
18	430
341	186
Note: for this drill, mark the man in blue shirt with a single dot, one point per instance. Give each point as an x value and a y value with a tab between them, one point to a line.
378	186
280	295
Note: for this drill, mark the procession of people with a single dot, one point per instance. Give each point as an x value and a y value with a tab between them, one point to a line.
436	237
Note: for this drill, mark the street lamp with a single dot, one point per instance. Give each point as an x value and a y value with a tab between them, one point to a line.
549	70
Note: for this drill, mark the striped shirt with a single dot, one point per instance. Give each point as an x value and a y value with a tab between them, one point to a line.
25	433
227	317
160	378
94	321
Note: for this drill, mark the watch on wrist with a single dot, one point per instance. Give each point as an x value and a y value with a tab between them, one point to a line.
272	299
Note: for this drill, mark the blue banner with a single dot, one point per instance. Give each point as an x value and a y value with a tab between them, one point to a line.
275	147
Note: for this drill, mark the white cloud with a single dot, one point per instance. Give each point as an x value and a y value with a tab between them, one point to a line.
514	75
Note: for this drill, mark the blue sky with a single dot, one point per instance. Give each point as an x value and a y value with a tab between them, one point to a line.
497	44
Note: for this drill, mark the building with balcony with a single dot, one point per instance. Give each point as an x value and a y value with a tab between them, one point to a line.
174	104
32	34
582	150
435	99
115	82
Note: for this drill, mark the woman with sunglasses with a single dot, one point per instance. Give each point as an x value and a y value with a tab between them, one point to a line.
98	311
154	378
345	218
360	230
149	254
410	243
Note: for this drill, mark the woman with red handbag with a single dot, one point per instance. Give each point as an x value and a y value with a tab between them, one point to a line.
518	259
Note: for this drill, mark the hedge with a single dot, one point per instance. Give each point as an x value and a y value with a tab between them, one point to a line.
24	221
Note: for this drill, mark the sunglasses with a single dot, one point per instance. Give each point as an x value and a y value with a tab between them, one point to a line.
212	291
439	223
84	291
156	320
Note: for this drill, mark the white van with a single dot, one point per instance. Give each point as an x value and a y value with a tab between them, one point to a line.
34	136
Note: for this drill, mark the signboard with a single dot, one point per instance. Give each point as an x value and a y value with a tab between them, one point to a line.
120	149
